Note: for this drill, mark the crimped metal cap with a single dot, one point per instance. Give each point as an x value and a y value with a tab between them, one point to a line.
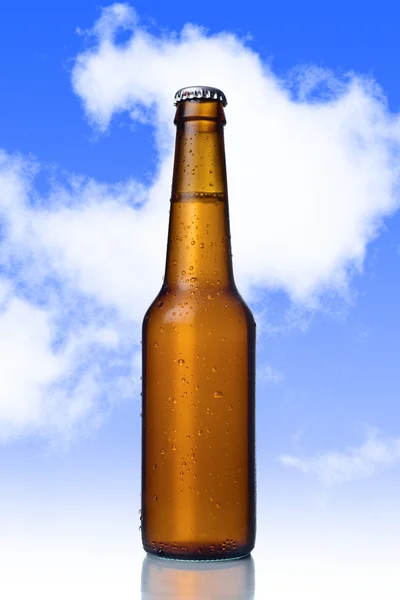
198	92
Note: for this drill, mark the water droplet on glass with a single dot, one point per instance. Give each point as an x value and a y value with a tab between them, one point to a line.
162	451
155	344
200	432
193	279
211	184
193	242
214	369
160	304
218	505
155	497
183	380
154	466
218	394
202	245
183	272
160	552
181	362
211	499
173	447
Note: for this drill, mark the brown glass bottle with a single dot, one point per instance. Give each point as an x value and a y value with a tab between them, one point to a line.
198	413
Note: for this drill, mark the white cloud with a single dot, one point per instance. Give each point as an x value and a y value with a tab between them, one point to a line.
310	180
67	352
268	374
355	462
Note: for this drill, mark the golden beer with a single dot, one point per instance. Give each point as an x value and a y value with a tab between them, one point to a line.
198	413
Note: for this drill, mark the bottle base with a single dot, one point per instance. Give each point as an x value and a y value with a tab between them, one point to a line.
195	552
197	559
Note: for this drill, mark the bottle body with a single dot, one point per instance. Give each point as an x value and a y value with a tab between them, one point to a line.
198	414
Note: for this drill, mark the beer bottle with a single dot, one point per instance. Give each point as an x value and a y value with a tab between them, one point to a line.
198	369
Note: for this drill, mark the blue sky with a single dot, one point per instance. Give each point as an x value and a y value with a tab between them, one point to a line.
86	140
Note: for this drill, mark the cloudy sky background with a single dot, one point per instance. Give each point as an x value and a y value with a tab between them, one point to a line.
313	157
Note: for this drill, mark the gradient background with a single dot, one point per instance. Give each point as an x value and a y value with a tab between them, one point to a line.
86	141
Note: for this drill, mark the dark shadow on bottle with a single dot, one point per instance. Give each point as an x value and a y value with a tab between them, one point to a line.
180	580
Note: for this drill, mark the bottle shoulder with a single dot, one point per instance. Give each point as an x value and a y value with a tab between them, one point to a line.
206	303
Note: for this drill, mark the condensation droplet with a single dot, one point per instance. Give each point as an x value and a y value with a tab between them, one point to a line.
214	369
218	505
193	242
218	394
183	380
162	451
160	304
181	362
202	245
154	466
183	272
200	432
155	498
155	344
173	447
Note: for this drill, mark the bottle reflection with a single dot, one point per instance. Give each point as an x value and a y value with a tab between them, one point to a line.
179	580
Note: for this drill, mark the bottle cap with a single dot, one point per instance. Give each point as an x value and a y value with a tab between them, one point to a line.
199	92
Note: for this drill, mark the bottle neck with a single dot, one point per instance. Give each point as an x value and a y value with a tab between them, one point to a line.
199	250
